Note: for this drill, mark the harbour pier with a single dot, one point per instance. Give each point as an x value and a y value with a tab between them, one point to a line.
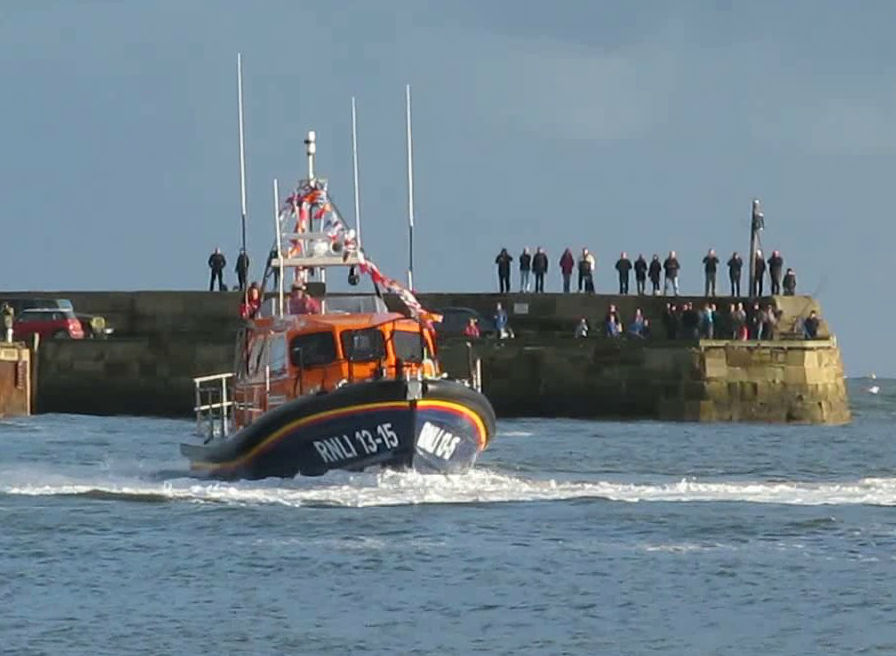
163	339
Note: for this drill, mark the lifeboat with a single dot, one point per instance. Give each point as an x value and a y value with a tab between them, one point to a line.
327	382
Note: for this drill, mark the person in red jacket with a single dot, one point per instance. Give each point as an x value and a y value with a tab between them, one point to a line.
251	302
301	303
567	264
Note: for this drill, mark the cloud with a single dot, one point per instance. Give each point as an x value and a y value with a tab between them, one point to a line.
551	87
828	119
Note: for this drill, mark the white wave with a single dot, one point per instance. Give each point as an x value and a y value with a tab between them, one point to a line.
478	486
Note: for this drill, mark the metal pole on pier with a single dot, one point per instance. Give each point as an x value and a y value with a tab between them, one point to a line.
279	249
757	223
407	95
239	91
355	167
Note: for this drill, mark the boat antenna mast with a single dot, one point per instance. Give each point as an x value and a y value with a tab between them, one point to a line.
278	265
407	95
239	93
355	172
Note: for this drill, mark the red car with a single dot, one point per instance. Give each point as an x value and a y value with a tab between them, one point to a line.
53	323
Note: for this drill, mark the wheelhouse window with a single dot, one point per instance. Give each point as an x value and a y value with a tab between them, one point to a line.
313	349
256	359
363	345
408	346
278	355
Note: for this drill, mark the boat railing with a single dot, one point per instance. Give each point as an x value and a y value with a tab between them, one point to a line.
214	406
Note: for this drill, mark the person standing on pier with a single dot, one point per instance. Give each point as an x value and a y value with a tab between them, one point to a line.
525	267
242	268
671	267
654	273
710	266
735	266
759	276
9	317
623	266
503	261
500	319
216	263
590	268
584	271
775	268
539	268
567	263
789	282
640	273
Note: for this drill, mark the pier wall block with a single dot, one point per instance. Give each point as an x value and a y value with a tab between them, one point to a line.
15	380
706	380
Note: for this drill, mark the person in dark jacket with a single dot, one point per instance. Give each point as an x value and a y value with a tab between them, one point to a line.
586	271
710	266
623	266
754	321
759	275
217	262
273	255
525	268
539	268
242	268
735	266
671	267
640	273
810	326
503	261
669	321
690	322
789	282
654	273
567	263
775	269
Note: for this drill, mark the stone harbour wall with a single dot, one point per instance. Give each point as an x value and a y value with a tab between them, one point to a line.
130	376
163	339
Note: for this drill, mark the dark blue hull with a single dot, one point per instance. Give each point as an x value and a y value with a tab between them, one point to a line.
443	428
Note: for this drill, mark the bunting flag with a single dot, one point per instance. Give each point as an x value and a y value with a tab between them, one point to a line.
311	204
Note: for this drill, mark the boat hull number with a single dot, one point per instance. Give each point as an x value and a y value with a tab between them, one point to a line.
362	442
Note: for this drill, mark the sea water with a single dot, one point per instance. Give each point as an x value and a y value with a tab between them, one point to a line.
568	537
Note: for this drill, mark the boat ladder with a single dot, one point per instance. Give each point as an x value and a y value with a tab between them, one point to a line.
214	405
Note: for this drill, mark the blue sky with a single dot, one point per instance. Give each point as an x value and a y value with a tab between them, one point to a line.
641	127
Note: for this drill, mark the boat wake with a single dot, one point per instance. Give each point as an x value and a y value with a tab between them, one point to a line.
480	486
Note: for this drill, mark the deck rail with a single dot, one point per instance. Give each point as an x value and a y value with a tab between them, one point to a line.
214	406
